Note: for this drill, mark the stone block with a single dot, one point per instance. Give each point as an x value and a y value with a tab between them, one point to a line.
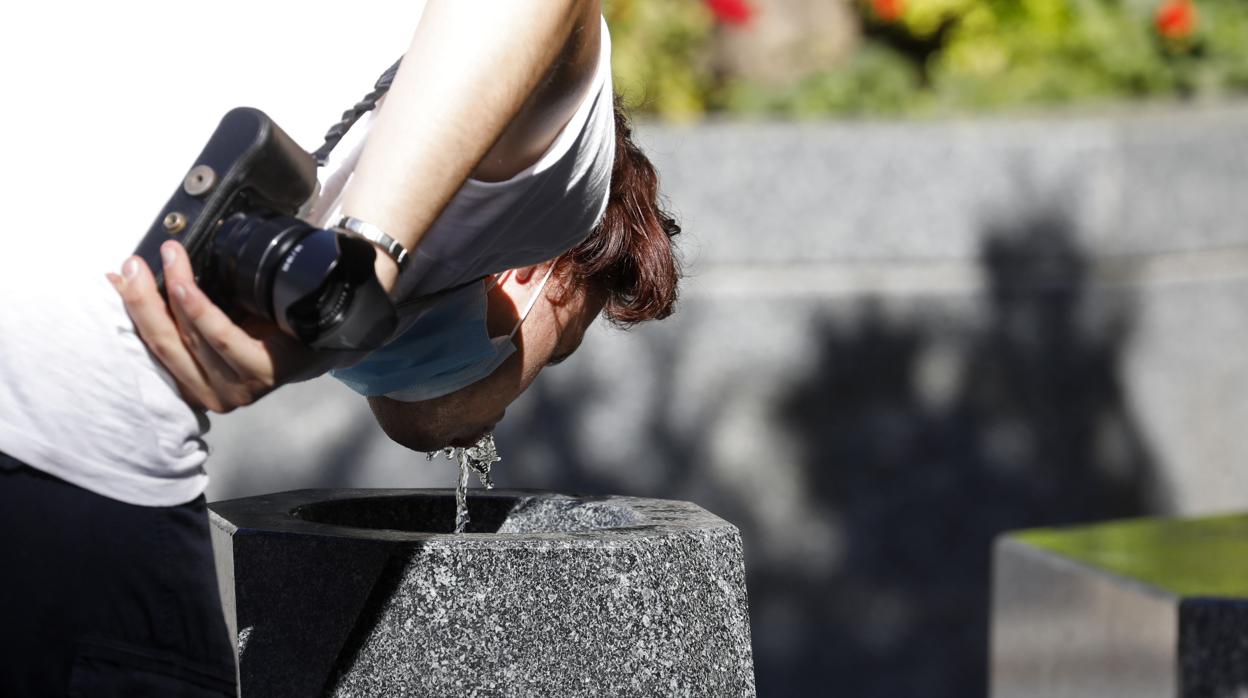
367	593
1137	608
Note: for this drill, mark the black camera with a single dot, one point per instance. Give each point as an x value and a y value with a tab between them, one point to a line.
235	215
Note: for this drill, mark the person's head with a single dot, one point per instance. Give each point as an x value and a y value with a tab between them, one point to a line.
626	270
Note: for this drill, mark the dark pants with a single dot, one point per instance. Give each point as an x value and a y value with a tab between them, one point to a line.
102	599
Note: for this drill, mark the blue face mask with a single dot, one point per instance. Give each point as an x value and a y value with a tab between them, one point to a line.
445	349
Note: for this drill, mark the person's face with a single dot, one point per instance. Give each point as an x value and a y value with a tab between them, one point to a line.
551	332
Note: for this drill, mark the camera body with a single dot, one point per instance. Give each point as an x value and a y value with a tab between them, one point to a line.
235	214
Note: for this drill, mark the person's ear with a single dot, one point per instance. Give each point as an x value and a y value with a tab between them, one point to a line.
524	274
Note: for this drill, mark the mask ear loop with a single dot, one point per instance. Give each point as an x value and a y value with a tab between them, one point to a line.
533	300
497	280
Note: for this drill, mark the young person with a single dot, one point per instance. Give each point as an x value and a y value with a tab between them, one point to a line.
111	589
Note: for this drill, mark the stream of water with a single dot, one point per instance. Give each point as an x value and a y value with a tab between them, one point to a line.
479	458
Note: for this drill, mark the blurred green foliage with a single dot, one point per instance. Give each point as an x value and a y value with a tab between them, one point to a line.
940	56
660	55
875	80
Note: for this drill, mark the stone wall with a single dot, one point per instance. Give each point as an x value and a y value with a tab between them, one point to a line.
896	341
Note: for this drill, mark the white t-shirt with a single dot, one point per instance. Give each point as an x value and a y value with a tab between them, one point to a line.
489	227
91	103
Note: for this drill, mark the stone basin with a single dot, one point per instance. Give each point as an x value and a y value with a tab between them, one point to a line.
368	593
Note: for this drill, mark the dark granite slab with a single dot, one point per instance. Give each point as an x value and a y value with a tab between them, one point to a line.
366	593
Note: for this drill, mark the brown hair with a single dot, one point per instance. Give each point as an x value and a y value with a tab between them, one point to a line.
629	257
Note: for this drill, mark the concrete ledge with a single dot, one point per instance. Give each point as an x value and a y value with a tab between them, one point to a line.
1131	182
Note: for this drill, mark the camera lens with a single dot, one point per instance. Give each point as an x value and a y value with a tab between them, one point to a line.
317	285
247	251
322	309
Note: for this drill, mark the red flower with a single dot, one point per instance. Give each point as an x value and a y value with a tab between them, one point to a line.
888	10
1176	19
731	11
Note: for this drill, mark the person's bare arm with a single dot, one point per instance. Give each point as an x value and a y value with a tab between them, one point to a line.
487	77
484	88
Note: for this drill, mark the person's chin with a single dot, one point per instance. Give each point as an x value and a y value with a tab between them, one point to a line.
468	441
472	436
426	441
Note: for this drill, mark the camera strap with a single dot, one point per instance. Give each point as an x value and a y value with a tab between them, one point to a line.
352	115
410	306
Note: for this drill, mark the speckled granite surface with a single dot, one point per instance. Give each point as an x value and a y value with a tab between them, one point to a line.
552	595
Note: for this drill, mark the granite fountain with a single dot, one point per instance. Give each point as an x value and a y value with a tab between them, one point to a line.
368	593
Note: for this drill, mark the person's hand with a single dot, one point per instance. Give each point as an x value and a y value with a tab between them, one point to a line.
218	365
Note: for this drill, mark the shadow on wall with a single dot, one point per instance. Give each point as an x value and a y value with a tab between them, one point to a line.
917	441
1035	431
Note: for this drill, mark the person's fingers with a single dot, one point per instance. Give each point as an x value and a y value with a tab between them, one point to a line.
216	371
229	387
237	363
157	328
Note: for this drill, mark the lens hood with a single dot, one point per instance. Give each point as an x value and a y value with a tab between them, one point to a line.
326	293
